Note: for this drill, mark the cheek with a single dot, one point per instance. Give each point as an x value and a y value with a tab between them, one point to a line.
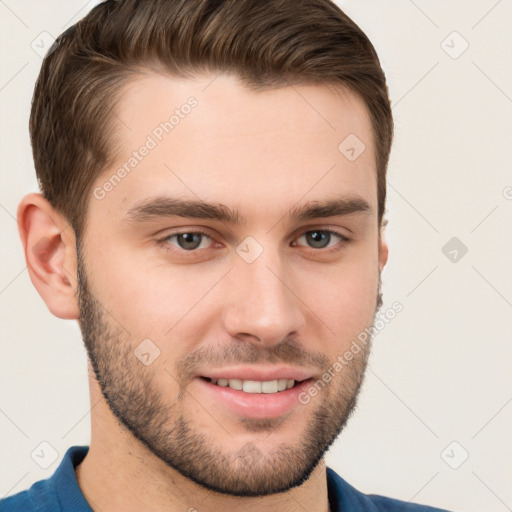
352	300
158	301
345	295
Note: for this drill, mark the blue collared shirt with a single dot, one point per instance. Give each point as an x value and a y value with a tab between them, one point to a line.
61	493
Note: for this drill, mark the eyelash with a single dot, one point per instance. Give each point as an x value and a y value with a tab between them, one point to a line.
166	245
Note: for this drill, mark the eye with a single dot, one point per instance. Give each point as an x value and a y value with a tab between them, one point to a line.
322	238
187	240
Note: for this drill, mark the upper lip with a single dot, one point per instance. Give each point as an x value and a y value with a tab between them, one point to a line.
260	373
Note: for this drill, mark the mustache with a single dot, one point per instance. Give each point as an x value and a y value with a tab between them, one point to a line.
289	351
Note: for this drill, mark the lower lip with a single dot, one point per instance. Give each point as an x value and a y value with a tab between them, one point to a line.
255	405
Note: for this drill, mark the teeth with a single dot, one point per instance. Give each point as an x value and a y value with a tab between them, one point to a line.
270	386
256	386
252	386
281	384
236	384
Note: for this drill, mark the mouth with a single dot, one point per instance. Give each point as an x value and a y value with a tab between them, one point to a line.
253	398
255	386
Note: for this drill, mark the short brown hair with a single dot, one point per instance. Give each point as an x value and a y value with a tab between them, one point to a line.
269	43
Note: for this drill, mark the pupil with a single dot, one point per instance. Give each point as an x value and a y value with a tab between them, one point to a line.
191	240
317	236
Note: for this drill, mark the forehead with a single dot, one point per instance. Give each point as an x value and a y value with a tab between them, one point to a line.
210	138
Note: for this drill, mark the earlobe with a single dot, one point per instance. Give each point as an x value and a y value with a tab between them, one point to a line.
50	253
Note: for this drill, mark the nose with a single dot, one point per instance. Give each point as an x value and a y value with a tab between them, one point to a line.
262	306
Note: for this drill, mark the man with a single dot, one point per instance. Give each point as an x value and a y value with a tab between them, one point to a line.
213	190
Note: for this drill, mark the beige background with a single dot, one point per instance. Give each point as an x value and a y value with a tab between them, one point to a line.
440	371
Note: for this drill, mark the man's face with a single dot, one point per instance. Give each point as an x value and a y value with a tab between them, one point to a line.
261	301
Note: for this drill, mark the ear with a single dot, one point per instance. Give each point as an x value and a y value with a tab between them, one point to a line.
50	252
383	248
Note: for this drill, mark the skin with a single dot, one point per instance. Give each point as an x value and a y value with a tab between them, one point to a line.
262	153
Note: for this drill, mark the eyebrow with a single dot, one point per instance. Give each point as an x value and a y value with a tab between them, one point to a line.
155	208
